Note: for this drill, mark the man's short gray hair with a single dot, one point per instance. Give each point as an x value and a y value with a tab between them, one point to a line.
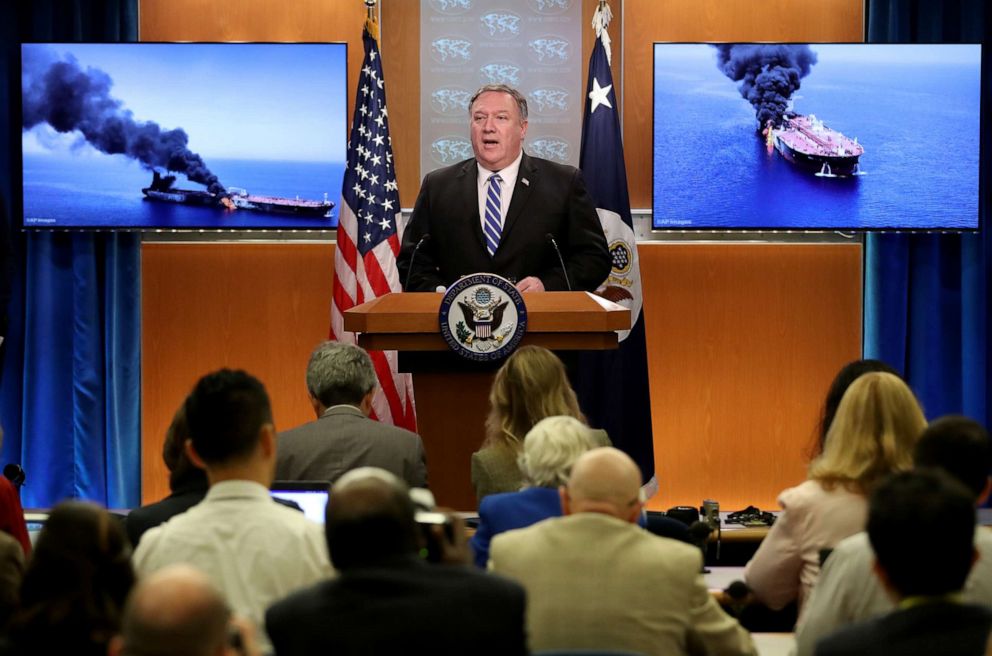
518	97
550	449
340	373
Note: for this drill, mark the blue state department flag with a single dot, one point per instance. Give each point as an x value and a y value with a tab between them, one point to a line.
613	385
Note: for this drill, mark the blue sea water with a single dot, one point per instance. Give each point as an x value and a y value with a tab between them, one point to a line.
104	191
918	123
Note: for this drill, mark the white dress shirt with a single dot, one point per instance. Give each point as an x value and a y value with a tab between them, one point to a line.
254	550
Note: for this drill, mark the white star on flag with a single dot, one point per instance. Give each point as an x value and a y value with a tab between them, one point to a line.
599	96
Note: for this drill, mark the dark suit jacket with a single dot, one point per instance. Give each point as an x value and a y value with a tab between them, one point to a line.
343	439
941	628
403	607
182	499
548	198
499	513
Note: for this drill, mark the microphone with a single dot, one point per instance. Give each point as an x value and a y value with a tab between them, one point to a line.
551	238
426	238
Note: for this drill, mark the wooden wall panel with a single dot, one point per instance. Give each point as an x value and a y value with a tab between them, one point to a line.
744	340
647	21
259	307
401	70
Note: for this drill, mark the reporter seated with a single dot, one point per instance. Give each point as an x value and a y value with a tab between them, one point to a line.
921	525
387	600
550	449
847	592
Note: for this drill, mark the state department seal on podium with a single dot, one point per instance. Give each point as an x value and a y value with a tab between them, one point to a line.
483	317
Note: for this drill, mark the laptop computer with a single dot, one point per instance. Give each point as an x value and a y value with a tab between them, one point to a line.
310	496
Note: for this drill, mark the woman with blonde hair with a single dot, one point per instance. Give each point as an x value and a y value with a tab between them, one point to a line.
531	385
873	434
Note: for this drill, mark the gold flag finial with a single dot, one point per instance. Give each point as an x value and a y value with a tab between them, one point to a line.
371	22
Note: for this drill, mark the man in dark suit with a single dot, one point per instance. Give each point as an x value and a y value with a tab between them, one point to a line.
341	382
921	525
187	483
387	600
504	212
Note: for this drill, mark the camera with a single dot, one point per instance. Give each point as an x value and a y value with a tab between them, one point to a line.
427	520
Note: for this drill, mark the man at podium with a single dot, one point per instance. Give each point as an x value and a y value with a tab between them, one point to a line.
504	212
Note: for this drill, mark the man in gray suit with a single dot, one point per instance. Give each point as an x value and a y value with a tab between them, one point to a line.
596	580
341	382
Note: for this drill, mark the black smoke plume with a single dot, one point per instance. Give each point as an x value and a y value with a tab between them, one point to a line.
769	74
68	98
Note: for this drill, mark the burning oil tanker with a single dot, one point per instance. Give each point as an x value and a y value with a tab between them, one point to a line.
809	144
234	198
769	75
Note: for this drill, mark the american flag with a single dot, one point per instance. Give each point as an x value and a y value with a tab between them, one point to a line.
368	238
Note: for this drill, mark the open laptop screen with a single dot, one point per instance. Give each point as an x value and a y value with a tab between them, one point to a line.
310	496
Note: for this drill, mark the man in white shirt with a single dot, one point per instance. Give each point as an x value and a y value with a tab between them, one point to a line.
848	592
254	550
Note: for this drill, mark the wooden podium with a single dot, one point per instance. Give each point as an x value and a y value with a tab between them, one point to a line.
451	392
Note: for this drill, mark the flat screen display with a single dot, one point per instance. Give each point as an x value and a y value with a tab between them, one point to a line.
816	136
148	136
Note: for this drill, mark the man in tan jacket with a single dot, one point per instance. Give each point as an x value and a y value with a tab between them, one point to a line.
595	580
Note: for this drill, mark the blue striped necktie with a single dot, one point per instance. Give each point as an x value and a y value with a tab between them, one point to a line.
494	223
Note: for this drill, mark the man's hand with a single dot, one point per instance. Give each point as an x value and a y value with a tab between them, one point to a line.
454	551
530	284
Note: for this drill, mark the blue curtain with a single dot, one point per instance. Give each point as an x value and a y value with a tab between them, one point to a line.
927	295
70	388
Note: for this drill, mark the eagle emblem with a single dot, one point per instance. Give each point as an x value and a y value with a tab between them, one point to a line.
483	314
483	317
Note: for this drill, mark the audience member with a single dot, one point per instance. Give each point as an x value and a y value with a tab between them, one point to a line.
531	385
341	382
11	573
254	550
387	600
177	612
550	449
849	373
877	423
595	580
921	525
75	585
847	592
187	482
11	512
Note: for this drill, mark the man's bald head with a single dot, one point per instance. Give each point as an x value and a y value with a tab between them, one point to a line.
604	480
370	518
174	611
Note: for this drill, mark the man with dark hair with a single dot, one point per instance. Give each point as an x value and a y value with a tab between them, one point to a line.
177	612
387	600
341	384
922	528
846	591
253	549
504	212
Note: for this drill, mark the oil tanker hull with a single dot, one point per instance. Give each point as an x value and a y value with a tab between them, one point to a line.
827	164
